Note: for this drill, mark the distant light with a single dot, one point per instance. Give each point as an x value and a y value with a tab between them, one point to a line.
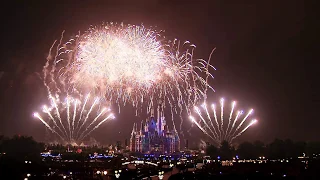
28	175
284	175
105	172
64	177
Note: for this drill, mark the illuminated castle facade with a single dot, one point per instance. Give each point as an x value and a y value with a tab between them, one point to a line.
154	135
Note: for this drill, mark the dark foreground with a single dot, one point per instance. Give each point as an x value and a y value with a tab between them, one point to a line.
113	169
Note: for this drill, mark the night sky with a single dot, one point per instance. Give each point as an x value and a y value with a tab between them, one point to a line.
264	58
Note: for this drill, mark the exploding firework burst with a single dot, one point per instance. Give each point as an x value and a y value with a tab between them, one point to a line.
119	56
221	128
129	64
73	120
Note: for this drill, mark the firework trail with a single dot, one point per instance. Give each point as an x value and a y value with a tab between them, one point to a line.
74	115
251	123
203	130
128	64
230	116
88	114
232	130
45	123
204	105
216	120
61	111
241	123
203	120
111	116
57	113
221	105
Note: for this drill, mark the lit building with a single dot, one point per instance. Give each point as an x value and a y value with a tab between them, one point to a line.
154	135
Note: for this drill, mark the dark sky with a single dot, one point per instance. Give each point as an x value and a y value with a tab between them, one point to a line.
264	57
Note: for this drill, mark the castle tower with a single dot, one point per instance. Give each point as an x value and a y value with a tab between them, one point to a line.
177	140
152	112
159	117
132	139
146	126
141	128
163	121
154	134
135	127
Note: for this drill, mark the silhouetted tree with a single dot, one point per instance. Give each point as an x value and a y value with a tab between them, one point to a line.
276	149
289	148
300	148
18	149
259	149
212	151
1	140
313	148
22	147
246	150
225	150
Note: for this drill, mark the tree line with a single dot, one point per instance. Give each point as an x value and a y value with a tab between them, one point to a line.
277	149
20	147
26	148
19	155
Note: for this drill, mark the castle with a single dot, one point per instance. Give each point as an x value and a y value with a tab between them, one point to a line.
154	135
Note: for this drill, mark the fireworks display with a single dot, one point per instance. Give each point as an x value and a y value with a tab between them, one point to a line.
129	64
121	64
219	126
72	120
135	65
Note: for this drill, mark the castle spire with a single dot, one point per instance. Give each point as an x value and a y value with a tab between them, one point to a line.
159	114
162	109
146	126
152	111
132	132
141	127
158	110
135	127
